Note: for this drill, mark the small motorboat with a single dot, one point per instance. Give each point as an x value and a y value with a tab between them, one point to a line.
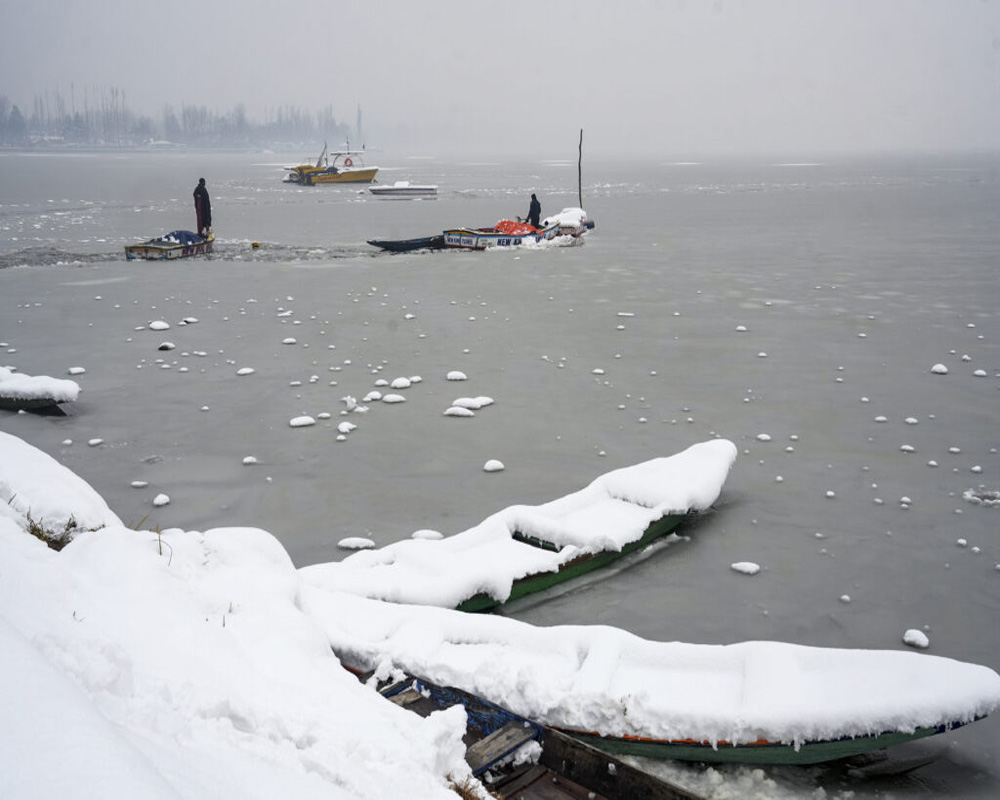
339	166
176	244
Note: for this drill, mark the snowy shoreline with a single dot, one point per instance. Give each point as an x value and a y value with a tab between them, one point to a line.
173	647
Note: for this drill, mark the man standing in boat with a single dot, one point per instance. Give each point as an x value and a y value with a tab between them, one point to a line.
534	211
203	208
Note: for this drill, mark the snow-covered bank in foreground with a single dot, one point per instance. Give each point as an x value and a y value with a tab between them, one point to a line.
189	664
610	513
180	665
33	484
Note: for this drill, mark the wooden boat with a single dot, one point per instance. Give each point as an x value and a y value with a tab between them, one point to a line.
176	244
752	702
38	405
570	570
525	549
404	190
338	166
506	233
566	769
40	394
408	245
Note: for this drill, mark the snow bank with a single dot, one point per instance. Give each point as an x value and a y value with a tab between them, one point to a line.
181	665
32	482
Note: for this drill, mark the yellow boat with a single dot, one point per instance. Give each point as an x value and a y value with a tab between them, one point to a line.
339	166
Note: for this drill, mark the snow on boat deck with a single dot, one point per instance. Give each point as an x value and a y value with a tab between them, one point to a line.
610	513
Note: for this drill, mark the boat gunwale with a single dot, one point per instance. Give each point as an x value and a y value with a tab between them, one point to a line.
585	562
160	250
756	752
485	238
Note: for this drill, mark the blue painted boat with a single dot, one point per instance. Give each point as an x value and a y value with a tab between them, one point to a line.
505	233
176	244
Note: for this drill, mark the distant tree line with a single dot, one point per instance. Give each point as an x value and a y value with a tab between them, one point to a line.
101	118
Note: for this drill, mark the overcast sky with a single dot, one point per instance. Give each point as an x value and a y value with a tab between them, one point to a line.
671	77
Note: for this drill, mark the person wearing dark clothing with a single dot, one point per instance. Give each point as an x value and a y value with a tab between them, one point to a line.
203	208
534	211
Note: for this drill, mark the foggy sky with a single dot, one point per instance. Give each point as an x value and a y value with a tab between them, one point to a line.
670	77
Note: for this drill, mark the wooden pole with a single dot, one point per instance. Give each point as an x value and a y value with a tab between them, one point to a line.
579	171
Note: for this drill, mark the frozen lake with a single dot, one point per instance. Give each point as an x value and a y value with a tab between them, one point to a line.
796	309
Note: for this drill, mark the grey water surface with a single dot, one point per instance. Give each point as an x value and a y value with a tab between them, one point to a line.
795	308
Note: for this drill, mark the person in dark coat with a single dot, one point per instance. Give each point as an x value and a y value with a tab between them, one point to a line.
534	211
203	208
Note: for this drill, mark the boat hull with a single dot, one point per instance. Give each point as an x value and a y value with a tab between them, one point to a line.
539	582
761	753
313	176
163	249
14	403
409	245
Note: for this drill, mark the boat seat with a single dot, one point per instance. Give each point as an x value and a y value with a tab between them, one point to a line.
498	745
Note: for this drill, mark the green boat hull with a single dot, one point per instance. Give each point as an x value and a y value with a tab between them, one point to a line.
572	569
765	753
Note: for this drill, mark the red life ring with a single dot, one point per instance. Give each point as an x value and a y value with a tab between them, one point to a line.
348	162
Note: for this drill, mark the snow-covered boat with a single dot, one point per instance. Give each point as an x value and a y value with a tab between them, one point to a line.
338	166
403	190
751	702
506	233
176	244
526	549
564	770
20	392
571	221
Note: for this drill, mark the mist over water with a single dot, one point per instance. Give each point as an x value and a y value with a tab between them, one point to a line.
728	76
794	308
